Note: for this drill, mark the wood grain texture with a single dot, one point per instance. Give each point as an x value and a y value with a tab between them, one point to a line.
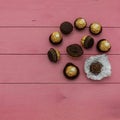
36	40
52	13
60	102
31	87
38	69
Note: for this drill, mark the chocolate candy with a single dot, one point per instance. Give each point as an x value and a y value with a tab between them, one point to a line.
66	27
87	41
56	38
95	28
74	50
71	71
53	55
96	67
103	45
80	23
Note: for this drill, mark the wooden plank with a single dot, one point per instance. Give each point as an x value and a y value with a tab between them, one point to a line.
38	69
47	13
59	102
35	40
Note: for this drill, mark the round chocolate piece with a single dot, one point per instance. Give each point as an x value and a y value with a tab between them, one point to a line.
95	28
74	50
71	71
53	55
96	67
80	23
56	38
87	42
66	27
103	45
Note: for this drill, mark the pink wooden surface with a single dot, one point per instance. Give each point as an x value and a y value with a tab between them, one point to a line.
60	102
51	13
31	87
35	40
38	69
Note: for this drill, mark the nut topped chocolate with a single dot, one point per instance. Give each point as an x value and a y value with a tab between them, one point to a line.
66	27
103	45
95	28
87	41
56	38
80	23
74	50
71	71
53	55
96	67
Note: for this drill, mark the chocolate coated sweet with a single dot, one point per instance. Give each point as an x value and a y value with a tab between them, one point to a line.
74	50
66	27
71	71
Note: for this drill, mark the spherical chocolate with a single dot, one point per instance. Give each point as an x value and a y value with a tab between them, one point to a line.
66	27
53	55
56	38
95	28
80	23
87	41
74	50
95	68
71	71
103	45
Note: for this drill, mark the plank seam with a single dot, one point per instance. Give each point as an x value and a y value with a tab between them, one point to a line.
44	54
48	27
61	83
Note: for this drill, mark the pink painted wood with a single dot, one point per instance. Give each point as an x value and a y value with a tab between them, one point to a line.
60	102
31	87
38	69
35	40
47	13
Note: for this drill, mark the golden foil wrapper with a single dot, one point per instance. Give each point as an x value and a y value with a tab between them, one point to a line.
83	40
56	37
95	28
104	45
71	71
80	23
58	54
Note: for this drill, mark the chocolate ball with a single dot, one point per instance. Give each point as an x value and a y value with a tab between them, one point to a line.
71	71
56	38
80	23
53	55
103	45
74	50
66	27
95	28
96	67
87	41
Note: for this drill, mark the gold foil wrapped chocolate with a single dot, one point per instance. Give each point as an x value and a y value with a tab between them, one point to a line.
56	38
103	45
71	71
80	23
95	28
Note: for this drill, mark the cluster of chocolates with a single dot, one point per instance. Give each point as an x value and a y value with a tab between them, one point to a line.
71	71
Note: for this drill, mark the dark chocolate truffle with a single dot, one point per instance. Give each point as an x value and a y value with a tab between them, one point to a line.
71	71
53	55
96	67
74	50
95	28
56	38
87	42
66	27
80	23
103	45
